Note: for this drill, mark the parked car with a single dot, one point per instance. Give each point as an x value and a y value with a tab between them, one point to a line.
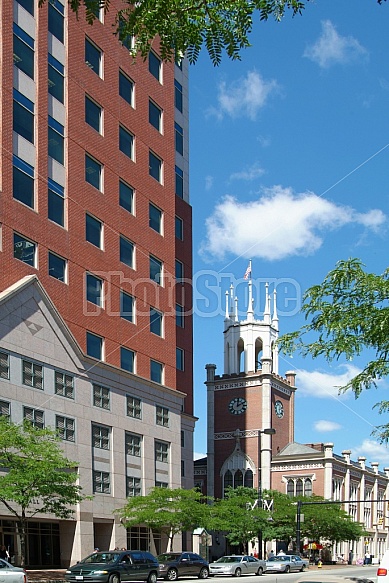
237	565
11	574
285	564
115	566
383	569
174	565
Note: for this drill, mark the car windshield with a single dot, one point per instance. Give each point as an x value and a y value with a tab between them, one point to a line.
168	557
229	560
100	558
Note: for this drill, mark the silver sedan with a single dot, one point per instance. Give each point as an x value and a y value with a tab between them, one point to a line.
11	574
237	565
285	564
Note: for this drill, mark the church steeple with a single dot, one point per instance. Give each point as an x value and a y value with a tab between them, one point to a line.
248	342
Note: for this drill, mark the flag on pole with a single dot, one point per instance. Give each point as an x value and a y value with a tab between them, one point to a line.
247	273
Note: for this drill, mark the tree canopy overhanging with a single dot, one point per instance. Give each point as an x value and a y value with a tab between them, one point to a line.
349	314
185	26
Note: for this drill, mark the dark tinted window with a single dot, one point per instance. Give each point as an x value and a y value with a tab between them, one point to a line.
24	56
56	20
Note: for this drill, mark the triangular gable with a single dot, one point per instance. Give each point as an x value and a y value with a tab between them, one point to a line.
31	325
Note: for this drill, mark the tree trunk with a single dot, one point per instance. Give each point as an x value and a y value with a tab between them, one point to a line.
21	531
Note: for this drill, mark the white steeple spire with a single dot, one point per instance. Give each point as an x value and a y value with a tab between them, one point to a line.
250	308
232	316
266	313
275	315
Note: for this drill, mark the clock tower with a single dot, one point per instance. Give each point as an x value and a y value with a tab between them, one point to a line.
247	400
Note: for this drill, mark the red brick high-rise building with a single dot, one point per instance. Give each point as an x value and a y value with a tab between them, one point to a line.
95	216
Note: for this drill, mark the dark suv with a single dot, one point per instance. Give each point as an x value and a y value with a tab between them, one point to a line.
173	565
115	566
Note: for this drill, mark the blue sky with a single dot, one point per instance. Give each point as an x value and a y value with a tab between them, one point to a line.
290	168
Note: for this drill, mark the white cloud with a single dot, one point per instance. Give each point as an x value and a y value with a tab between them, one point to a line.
373	452
245	97
325	385
324	426
249	173
332	48
198	456
208	182
279	224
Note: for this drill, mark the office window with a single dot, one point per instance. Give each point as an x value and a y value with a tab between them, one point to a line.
126	142
126	197
182	438
23	51
179	315
56	19
63	384
161	452
101	482
34	416
101	397
56	78
162	416
156	270
179	359
23	182
127	359
5	409
94	290
155	115
57	267
159	484
179	271
155	66
93	57
93	114
179	138
65	427
24	250
126	306
183	468
4	365
126	251
94	231
32	374
134	407
178	95
133	444
23	116
179	228
100	437
155	166
93	172
56	141
27	5
156	371
126	88
155	218
156	320
179	182
56	202
133	486
94	346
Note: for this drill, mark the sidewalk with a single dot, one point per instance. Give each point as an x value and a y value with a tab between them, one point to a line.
47	576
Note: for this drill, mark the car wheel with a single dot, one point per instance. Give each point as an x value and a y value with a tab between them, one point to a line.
260	571
172	575
287	569
204	573
114	578
152	578
238	572
302	568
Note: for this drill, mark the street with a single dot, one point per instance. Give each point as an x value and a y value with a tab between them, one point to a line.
365	572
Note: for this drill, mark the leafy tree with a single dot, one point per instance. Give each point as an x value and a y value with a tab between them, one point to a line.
330	522
35	476
166	510
232	515
185	26
348	314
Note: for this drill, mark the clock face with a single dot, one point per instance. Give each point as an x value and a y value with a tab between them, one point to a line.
237	406
279	409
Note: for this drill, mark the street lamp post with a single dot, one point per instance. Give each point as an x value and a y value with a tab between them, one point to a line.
268	431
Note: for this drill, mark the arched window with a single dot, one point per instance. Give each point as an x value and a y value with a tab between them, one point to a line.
308	487
258	353
240	349
238	479
248	479
299	487
227	481
290	488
